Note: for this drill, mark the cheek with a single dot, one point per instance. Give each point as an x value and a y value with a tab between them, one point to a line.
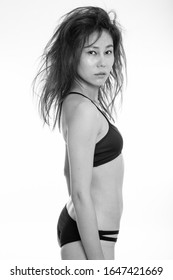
111	64
82	69
112	61
86	65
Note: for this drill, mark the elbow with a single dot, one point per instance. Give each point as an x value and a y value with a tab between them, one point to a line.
77	196
80	197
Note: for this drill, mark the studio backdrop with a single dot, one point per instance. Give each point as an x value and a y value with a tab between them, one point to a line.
33	187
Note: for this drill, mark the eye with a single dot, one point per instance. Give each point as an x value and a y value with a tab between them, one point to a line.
92	52
109	52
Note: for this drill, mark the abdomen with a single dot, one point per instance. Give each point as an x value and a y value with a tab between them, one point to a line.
106	192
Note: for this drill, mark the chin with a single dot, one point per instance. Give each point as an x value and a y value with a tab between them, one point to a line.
99	83
95	84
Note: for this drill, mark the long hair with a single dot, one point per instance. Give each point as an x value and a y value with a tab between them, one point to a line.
61	56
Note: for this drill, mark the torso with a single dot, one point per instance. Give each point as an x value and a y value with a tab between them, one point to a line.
107	180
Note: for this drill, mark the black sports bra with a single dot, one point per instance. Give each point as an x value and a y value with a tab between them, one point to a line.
110	146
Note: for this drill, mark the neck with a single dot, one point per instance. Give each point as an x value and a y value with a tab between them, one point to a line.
89	91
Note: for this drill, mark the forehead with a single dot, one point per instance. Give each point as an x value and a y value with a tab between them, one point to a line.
95	39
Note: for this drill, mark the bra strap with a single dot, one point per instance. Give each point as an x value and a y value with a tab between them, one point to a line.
74	92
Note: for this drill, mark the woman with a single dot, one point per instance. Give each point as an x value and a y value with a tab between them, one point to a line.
82	74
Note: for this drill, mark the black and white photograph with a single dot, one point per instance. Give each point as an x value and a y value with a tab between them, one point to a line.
86	133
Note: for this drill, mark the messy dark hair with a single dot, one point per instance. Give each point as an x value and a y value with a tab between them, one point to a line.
61	56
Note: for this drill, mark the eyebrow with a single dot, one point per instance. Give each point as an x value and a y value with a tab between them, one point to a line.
95	47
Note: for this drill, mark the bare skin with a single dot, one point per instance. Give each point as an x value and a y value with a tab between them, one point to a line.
106	190
95	193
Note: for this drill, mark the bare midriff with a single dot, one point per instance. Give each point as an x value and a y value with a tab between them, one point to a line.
106	191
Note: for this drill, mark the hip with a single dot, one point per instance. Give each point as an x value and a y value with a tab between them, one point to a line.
108	214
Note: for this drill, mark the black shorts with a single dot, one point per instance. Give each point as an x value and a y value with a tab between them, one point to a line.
68	232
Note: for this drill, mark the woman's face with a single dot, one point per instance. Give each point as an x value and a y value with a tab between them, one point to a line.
96	61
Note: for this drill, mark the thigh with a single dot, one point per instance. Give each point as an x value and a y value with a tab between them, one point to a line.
73	251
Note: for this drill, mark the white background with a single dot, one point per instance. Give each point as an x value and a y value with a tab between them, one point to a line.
33	189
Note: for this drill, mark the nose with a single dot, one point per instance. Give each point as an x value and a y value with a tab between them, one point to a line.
101	61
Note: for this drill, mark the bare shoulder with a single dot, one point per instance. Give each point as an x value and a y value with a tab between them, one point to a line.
84	111
80	113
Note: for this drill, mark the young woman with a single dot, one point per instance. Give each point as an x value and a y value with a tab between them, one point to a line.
82	74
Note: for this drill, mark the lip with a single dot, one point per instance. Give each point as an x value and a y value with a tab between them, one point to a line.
100	74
